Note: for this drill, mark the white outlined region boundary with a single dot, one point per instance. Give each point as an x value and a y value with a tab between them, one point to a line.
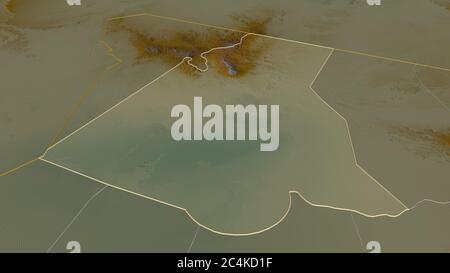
188	61
119	61
113	107
251	233
290	192
348	132
348	51
202	55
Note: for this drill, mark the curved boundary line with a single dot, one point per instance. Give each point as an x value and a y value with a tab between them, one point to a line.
292	41
290	192
277	38
251	233
241	31
188	61
202	55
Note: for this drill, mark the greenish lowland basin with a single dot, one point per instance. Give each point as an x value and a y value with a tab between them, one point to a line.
230	187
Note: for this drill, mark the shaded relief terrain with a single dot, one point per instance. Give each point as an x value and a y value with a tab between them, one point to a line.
86	152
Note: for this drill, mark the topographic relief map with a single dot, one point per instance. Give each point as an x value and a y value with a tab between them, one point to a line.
200	126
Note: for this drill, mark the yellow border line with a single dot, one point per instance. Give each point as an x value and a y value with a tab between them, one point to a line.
70	116
87	93
348	132
18	167
110	52
119	61
391	59
278	38
72	113
113	107
251	233
188	59
185	210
